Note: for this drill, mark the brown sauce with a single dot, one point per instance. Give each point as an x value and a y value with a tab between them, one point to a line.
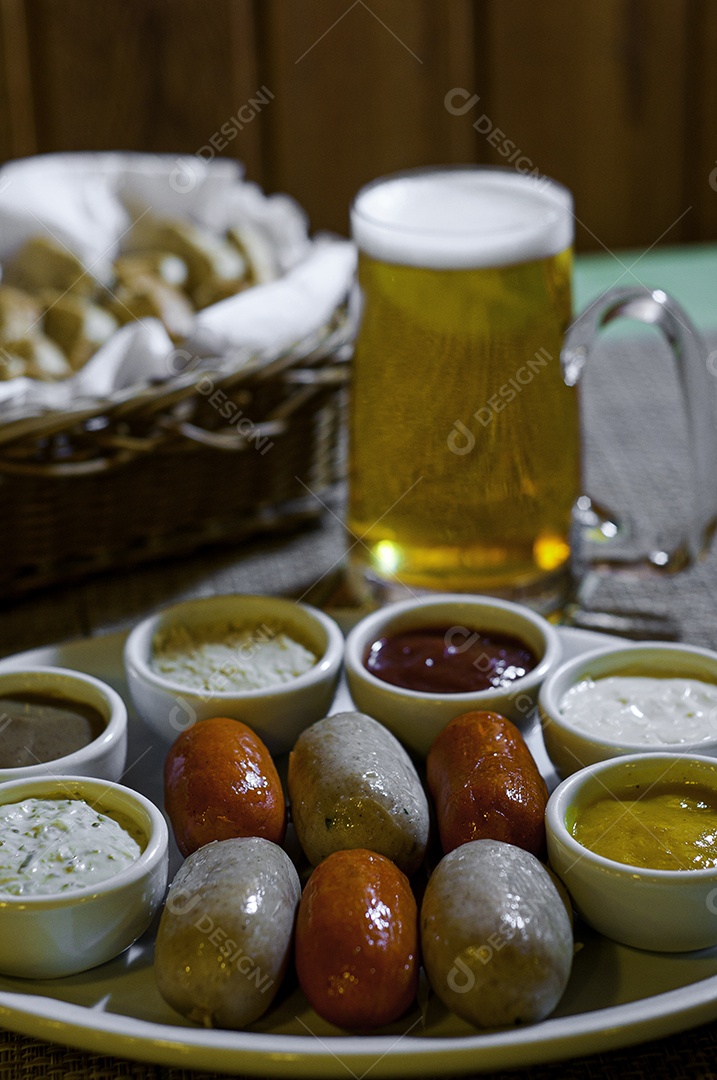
37	727
449	660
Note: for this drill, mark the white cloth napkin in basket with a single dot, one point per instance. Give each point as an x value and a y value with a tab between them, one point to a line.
88	202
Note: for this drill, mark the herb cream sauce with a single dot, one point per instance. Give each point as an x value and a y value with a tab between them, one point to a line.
50	846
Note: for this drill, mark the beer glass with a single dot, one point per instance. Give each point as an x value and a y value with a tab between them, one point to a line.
465	452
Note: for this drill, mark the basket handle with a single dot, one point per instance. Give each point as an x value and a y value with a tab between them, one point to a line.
223	440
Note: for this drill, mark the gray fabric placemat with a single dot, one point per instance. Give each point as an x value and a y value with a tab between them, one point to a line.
637	464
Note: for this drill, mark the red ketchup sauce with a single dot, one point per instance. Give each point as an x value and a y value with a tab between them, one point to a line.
449	659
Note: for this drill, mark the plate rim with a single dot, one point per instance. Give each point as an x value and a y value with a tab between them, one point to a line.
279	1055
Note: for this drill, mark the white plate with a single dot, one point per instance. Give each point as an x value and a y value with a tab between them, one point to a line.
616	996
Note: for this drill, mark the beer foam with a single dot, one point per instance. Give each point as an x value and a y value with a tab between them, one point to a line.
454	219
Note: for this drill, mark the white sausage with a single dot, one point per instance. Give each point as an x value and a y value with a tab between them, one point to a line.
352	785
496	937
226	931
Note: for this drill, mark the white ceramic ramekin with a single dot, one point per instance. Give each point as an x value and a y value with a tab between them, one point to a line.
571	748
416	717
659	910
44	937
106	755
278	714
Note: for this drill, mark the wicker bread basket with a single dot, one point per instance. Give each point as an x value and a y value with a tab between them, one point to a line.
147	456
165	470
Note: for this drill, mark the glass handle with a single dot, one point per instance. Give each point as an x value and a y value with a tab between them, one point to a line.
654	307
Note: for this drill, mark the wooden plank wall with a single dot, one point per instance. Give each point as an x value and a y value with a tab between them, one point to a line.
616	98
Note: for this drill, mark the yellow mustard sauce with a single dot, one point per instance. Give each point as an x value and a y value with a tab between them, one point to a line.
670	827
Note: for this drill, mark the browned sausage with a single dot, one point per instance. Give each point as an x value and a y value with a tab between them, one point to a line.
485	784
220	782
357	940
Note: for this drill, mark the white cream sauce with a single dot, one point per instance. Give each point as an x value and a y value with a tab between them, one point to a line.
52	846
641	709
227	657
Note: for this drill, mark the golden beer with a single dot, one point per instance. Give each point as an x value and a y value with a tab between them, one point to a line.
464	438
